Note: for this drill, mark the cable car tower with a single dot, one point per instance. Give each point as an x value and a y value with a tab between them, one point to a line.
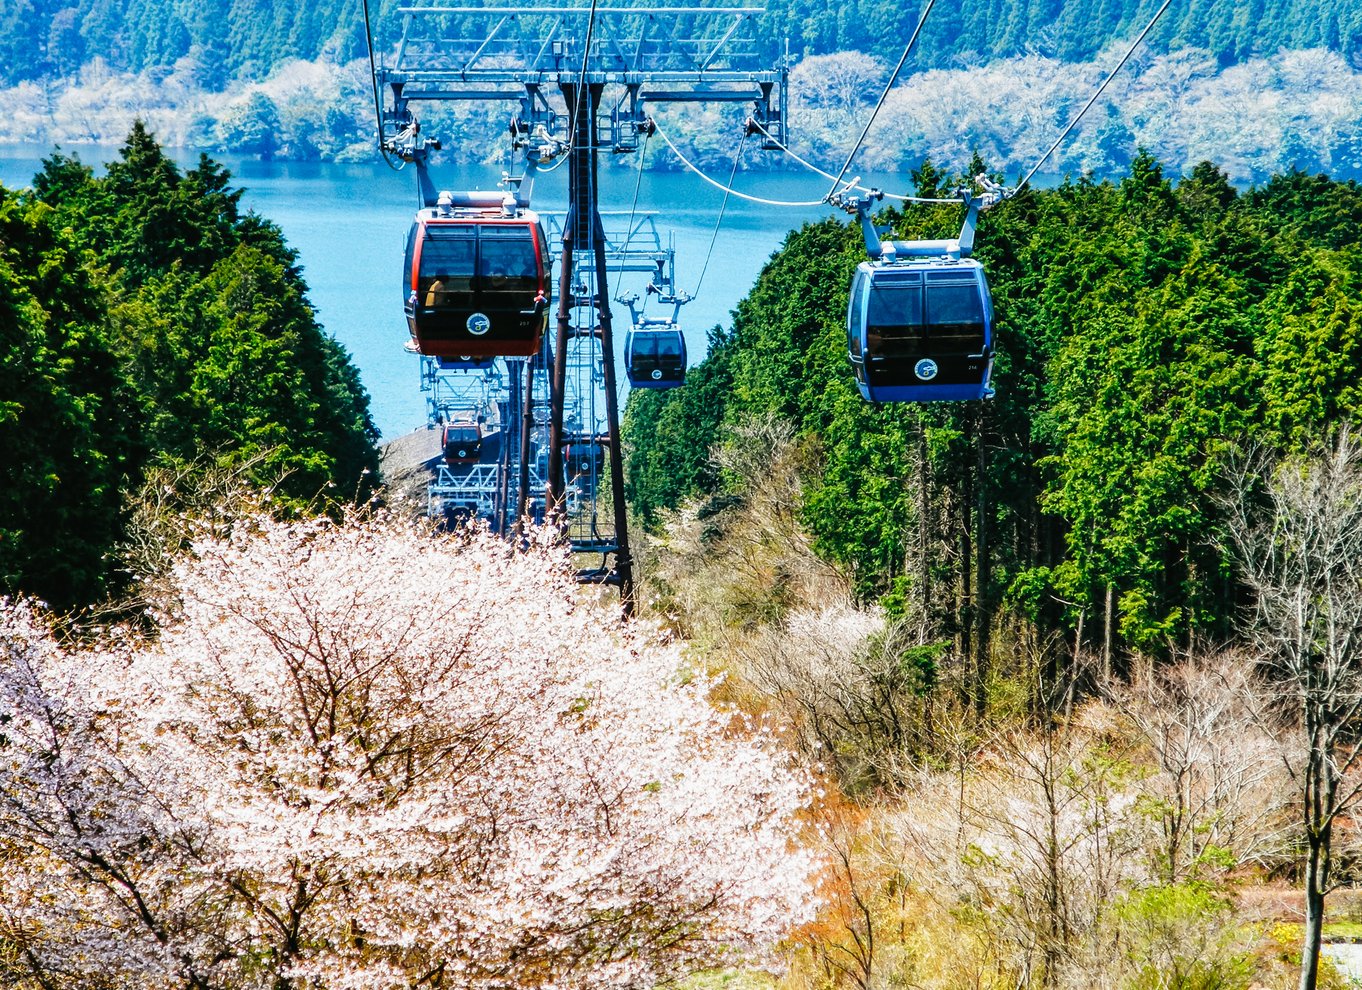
582	78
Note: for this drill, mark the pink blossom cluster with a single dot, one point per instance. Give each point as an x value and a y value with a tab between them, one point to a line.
359	755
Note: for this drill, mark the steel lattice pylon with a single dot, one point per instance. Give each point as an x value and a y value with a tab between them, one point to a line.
607	64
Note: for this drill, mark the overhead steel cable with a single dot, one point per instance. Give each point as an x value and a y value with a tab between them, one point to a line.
893	77
581	75
854	184
722	207
728	189
378	102
633	208
1112	75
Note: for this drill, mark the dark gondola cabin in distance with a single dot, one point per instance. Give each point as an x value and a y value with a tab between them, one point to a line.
655	356
461	441
476	280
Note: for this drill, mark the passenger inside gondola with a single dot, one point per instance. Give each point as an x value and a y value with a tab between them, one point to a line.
507	262
435	295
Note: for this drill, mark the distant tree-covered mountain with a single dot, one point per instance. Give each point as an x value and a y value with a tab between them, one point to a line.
244	39
1071	30
226	38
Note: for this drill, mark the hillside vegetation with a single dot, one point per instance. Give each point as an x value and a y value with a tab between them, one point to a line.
1145	330
1083	661
152	333
369	755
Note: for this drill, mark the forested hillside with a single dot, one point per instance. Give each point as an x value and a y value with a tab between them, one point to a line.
247	38
224	38
1071	30
150	330
1075	656
1146	330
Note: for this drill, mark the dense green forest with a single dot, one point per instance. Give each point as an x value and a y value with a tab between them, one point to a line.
149	328
1146	331
230	39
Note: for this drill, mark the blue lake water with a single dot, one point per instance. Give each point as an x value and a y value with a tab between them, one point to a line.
349	224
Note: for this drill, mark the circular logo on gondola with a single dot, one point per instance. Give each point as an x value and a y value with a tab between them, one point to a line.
925	369
478	324
657	374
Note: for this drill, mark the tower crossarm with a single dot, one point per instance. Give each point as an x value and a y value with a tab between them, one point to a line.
655	54
549	40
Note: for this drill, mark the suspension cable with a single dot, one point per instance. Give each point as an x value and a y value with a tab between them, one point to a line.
558	163
633	208
581	74
852	185
722	206
728	189
378	103
893	77
1112	75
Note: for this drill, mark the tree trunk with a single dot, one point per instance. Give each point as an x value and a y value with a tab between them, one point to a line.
965	617
982	612
1316	877
1056	928
1075	667
1321	801
1078	637
1106	640
924	530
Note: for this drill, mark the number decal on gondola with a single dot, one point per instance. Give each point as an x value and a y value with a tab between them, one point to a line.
478	324
925	369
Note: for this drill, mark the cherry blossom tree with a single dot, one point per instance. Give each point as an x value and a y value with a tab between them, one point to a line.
360	755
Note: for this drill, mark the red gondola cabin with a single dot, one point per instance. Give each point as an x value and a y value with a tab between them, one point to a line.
476	283
462	442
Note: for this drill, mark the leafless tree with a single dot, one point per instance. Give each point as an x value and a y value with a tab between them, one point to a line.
858	691
1026	844
1216	783
844	82
1295	529
728	569
1060	840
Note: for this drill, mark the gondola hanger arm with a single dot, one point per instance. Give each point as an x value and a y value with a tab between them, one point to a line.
860	207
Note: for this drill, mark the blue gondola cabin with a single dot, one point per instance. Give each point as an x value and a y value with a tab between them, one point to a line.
921	330
655	356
